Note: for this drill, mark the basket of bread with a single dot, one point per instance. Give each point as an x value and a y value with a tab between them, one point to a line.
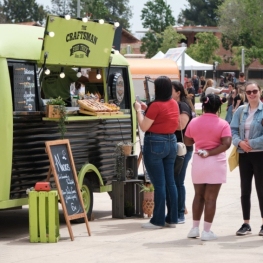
94	107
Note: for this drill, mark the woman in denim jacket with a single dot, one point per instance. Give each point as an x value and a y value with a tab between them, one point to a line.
247	133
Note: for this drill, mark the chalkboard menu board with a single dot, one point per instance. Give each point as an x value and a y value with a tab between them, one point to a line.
63	169
23	77
65	176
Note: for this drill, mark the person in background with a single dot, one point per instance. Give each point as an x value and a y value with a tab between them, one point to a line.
240	85
54	85
185	81
230	99
190	91
238	99
202	83
196	83
212	137
159	151
209	88
181	162
247	132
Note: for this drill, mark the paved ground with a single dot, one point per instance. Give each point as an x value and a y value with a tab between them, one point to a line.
123	240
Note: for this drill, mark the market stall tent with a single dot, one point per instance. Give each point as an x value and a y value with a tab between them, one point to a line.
189	64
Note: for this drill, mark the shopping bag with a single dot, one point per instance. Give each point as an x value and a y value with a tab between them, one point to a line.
233	159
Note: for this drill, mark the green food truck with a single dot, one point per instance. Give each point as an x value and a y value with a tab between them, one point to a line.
25	51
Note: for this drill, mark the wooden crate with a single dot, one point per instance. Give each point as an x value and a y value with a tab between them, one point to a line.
53	111
94	113
43	217
123	191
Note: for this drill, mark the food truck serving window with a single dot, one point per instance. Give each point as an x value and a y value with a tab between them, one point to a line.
23	83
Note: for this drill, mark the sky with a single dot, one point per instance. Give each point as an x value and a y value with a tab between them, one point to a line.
137	6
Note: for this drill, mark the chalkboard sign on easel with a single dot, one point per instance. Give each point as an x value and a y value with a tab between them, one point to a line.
63	168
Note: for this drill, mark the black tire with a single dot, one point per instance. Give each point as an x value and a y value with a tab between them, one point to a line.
87	195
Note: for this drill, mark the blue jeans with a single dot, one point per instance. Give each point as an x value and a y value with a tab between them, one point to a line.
179	181
229	114
159	153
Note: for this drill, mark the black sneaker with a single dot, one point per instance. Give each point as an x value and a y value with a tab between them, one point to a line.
261	231
244	230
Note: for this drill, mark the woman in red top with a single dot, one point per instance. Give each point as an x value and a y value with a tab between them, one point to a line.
159	151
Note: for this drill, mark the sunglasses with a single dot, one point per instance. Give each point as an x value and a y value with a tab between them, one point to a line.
255	91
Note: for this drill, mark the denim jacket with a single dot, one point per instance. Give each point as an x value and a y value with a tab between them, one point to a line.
256	129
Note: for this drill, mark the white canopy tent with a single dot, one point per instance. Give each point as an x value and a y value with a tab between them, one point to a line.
189	63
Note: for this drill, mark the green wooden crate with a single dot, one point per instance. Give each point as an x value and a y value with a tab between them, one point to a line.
43	217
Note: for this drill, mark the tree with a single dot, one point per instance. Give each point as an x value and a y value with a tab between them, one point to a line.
109	10
156	16
200	12
233	21
17	11
241	23
170	39
205	48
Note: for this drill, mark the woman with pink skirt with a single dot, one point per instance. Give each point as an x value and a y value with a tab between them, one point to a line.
212	137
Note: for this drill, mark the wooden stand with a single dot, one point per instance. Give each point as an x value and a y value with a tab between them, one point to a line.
126	191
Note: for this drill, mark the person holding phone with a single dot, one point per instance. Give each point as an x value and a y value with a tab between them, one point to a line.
159	151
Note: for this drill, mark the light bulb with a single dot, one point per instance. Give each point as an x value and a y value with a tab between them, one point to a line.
51	34
116	24
101	21
85	19
62	75
67	17
116	52
79	74
98	76
47	71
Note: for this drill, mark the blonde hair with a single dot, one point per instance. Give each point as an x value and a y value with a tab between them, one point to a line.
209	83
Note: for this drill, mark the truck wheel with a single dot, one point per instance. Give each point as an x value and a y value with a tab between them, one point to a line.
87	196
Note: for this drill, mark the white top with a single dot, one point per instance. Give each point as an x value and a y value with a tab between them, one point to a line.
211	90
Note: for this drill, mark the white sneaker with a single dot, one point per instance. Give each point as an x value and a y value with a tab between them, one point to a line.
207	236
151	226
194	232
170	225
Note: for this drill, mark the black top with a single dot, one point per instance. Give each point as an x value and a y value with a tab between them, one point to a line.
184	108
236	99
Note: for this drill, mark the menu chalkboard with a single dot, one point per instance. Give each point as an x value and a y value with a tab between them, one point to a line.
65	176
63	169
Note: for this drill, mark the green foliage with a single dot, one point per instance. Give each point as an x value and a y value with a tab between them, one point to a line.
206	46
234	16
156	16
240	23
109	10
146	187
17	11
62	112
170	38
200	12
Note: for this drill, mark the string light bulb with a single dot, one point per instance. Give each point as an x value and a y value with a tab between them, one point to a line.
84	19
47	71
62	74
67	17
101	21
51	33
79	73
98	76
116	24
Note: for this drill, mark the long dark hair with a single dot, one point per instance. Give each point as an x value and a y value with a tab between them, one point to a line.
163	89
178	86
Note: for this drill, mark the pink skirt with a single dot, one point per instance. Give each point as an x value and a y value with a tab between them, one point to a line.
210	170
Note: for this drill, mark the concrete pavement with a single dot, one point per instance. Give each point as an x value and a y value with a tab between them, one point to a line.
123	240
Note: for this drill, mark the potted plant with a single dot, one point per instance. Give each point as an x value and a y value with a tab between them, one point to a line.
128	209
56	108
148	198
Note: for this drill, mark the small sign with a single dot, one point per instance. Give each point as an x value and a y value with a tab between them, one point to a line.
63	169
